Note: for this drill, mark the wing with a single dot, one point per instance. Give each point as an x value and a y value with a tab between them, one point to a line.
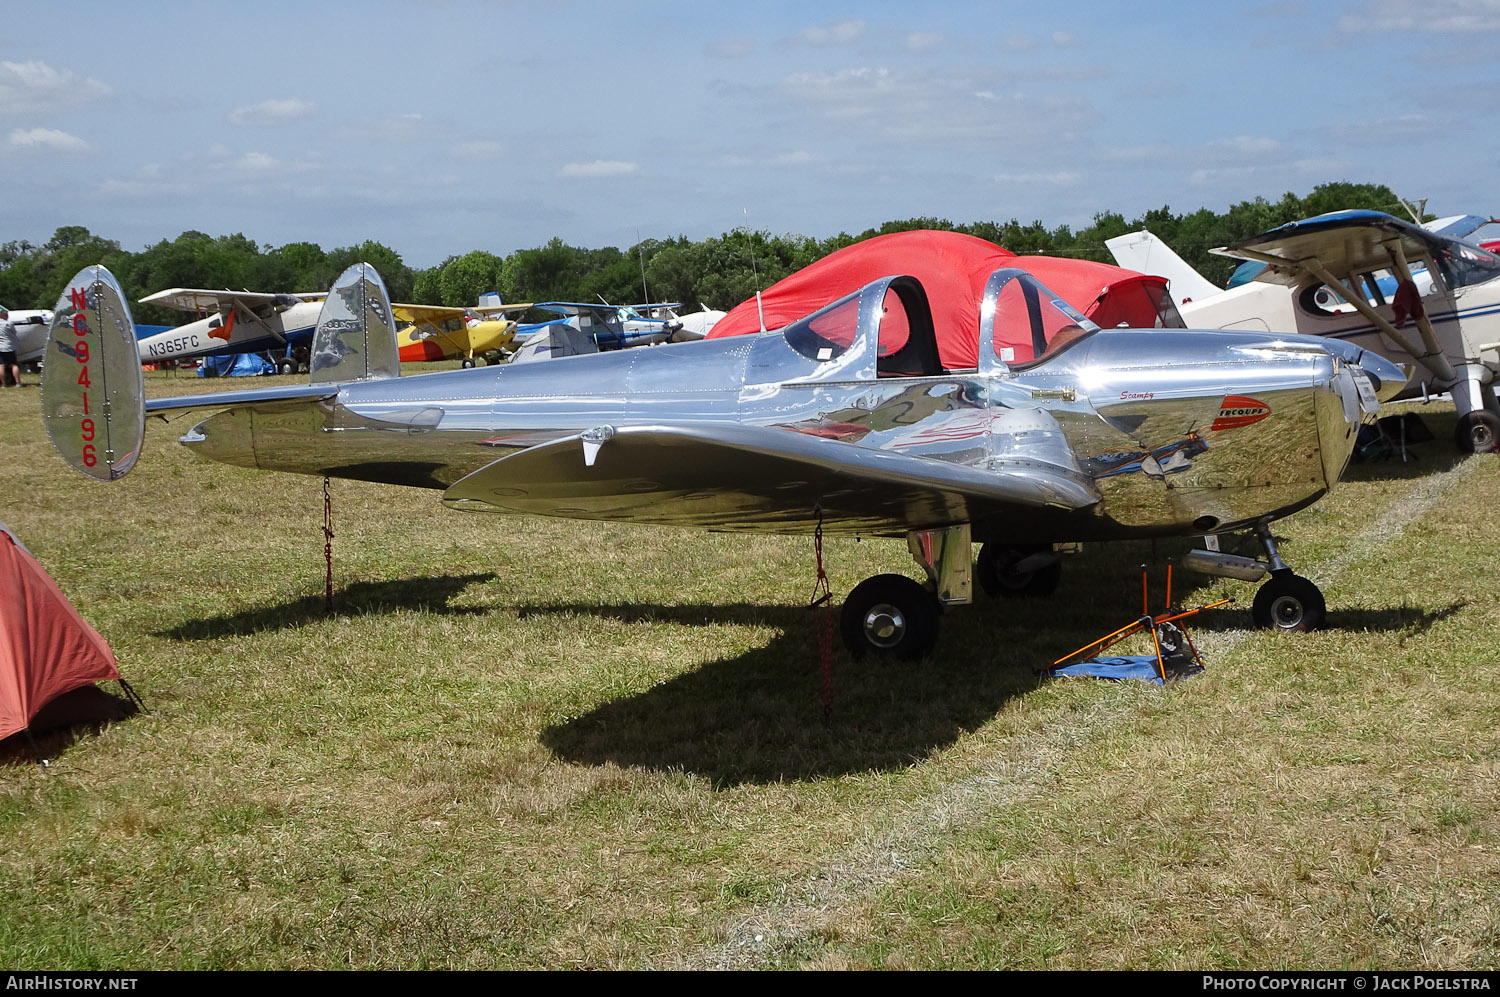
196	299
758	479
426	314
1342	243
501	309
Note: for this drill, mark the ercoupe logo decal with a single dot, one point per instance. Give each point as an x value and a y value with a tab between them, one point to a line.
1237	411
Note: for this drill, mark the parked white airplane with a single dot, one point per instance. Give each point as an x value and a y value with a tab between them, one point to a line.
31	333
1368	278
237	322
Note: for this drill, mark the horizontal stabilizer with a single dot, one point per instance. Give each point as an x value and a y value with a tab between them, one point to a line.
93	394
756	478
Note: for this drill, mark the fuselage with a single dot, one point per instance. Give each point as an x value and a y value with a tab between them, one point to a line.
1179	432
232	332
1465	322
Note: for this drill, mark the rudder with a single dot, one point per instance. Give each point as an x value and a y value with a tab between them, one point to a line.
93	392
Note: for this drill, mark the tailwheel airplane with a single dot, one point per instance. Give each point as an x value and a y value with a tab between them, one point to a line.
478	337
843	422
235	322
1420	297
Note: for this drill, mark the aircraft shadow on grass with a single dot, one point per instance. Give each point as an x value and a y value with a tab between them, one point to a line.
759	717
430	594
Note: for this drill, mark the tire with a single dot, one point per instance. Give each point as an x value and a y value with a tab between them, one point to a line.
999	578
1477	432
287	367
1288	602
467	363
889	616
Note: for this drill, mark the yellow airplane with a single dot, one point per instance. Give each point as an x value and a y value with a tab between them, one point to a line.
431	334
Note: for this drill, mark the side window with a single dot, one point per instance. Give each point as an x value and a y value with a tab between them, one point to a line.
895	328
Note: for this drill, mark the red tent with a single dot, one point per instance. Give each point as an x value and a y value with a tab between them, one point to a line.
46	648
953	269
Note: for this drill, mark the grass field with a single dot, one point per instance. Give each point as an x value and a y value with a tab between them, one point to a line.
525	743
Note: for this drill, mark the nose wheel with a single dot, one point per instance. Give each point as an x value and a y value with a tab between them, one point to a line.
889	616
1288	602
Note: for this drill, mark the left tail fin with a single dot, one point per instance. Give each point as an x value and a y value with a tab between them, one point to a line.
356	335
93	394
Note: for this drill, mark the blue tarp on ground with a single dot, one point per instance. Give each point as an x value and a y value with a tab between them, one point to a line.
1140	667
235	365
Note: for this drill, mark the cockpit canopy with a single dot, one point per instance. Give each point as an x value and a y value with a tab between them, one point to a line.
888	325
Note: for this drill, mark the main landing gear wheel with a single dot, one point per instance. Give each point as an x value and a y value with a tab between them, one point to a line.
287	367
468	362
1003	571
889	616
1477	432
1288	602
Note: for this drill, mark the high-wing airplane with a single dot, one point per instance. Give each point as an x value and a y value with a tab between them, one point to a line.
479	337
842	422
694	325
236	322
1416	295
31	327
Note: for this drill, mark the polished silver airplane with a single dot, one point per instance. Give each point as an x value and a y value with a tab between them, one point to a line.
842	422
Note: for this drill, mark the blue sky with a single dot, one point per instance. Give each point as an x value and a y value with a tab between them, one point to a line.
441	126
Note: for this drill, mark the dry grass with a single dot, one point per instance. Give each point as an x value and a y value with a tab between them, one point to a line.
537	744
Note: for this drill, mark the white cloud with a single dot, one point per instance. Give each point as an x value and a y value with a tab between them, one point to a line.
797	157
272	112
35	88
1060	178
1437	17
598	169
1242	146
973	109
258	162
841	32
1386	131
919	41
47	139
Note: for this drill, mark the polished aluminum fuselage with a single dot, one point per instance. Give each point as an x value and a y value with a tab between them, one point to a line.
1137	416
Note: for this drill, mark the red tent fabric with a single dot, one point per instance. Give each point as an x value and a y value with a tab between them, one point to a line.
46	648
953	269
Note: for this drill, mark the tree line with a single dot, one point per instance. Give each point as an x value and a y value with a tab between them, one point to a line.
718	272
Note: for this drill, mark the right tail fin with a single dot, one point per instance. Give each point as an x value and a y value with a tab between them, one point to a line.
356	335
1145	253
93	393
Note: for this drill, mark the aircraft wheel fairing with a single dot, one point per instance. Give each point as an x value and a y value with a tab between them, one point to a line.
1003	571
1477	432
1288	602
889	616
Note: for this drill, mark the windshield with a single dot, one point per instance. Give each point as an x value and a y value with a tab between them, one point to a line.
827	332
1032	324
1464	265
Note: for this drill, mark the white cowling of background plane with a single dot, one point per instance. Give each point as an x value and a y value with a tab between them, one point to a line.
842	422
